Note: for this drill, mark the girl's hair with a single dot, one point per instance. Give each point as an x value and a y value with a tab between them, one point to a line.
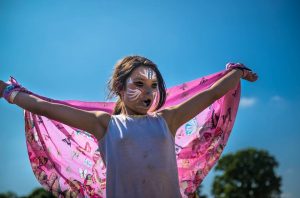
123	70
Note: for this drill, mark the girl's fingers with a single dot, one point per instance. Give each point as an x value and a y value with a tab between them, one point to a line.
251	76
254	77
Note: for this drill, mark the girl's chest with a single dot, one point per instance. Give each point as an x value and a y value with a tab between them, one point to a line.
139	135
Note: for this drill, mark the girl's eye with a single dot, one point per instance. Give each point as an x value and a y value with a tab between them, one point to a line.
139	84
154	86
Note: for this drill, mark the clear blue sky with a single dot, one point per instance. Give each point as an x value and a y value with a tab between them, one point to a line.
67	49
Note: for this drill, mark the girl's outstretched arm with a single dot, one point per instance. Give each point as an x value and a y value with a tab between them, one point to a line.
179	114
94	122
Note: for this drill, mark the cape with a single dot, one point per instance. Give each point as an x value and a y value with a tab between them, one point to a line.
67	162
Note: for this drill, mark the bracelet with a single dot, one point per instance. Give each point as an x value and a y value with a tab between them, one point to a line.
230	66
8	89
12	90
7	93
12	96
241	70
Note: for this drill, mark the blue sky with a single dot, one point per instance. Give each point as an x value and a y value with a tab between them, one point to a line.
67	49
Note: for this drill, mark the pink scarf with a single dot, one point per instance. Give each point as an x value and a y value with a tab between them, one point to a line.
67	162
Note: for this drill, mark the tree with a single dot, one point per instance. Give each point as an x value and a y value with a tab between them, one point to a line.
199	193
36	193
247	173
8	195
40	193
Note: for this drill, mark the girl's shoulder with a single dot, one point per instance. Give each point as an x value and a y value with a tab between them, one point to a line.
104	118
168	115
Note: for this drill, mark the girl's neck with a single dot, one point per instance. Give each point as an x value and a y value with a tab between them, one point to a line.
133	114
129	112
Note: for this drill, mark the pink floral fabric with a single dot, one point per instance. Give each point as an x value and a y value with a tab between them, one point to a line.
67	162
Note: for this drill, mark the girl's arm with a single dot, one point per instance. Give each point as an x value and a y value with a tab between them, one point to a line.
179	114
94	122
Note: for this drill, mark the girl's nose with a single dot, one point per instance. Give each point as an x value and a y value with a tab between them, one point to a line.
148	91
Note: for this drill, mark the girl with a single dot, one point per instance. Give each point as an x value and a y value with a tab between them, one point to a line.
136	137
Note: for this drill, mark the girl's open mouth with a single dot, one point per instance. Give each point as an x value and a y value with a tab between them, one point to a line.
147	102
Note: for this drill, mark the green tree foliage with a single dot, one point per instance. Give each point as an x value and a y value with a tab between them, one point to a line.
40	193
8	195
36	193
199	193
248	173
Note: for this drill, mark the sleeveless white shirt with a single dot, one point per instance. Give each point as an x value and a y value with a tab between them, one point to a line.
140	159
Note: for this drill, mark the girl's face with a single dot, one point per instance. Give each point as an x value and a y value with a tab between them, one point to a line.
140	90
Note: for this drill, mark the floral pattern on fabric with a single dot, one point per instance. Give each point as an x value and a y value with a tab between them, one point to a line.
67	162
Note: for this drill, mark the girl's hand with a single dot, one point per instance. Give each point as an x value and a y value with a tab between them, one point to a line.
2	87
248	74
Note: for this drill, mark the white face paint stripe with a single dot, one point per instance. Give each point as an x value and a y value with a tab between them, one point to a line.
151	74
130	81
155	92
144	73
148	73
133	93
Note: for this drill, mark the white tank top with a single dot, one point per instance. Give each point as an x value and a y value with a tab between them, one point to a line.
139	153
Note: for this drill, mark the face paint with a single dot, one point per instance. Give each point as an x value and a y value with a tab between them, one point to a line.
129	81
154	93
148	73
133	93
